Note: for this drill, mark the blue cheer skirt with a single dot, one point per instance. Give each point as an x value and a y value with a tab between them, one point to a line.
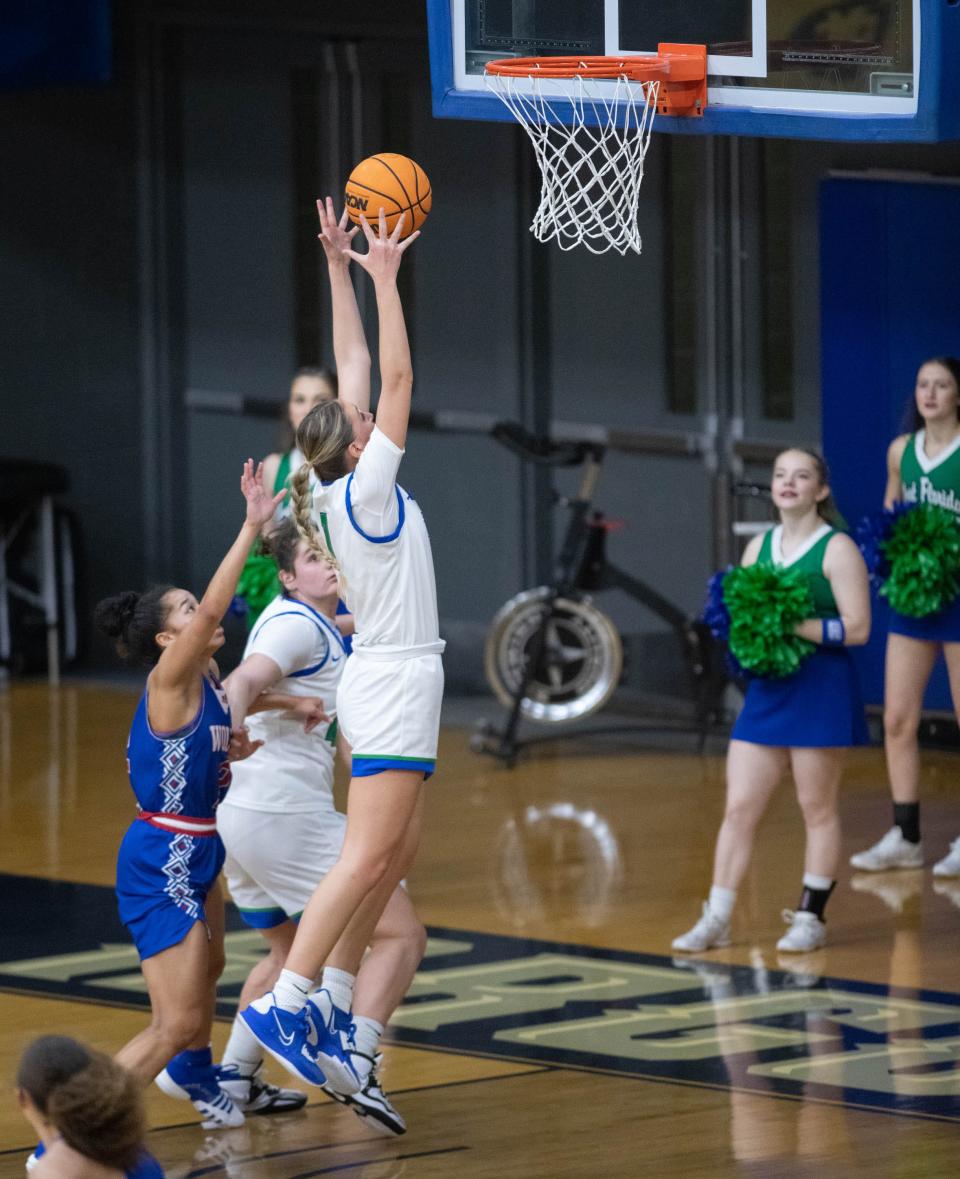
942	627
818	707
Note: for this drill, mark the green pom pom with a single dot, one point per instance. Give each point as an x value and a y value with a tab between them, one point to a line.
924	554
765	604
258	584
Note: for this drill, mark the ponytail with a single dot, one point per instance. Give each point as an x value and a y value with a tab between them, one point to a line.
133	621
322	438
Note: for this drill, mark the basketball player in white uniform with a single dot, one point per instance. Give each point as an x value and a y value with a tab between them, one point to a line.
389	698
283	833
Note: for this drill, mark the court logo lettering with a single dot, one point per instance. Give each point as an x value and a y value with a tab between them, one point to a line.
700	1023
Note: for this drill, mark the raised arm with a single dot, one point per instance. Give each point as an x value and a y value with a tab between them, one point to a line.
245	683
894	489
186	654
350	351
381	262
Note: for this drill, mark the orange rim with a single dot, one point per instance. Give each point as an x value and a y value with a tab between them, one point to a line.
681	71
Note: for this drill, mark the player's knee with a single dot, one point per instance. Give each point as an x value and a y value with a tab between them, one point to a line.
741	815
367	866
369	862
179	1029
818	812
899	724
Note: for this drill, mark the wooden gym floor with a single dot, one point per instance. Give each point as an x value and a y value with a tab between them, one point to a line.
550	1031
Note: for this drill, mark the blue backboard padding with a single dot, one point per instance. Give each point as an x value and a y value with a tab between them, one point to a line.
888	254
56	43
938	104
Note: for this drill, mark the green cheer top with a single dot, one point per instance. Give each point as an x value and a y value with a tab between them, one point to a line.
931	481
808	559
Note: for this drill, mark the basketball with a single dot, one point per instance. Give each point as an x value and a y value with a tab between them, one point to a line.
393	183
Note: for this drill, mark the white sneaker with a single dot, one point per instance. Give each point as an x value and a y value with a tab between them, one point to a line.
950	864
711	932
893	851
807	932
949	889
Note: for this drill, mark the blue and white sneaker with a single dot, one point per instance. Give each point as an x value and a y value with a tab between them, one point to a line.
331	1043
199	1085
289	1037
255	1095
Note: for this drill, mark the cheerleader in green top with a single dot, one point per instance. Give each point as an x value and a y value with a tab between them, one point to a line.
310	387
804	720
923	467
258	584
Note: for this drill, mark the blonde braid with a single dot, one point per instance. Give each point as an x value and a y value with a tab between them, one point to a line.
322	438
303	517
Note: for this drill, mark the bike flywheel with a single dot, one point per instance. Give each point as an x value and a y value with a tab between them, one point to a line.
579	663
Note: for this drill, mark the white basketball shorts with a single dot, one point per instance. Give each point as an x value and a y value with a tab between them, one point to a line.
275	861
389	712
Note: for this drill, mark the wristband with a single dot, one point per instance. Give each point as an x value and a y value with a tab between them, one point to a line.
833	632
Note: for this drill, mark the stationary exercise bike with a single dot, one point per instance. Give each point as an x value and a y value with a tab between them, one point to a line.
552	655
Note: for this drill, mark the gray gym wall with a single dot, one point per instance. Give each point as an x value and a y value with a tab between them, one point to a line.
158	240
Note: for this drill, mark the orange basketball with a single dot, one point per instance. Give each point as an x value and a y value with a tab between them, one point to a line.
393	183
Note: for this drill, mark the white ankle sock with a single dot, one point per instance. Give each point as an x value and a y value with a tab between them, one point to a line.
820	882
721	902
291	990
340	985
243	1049
367	1035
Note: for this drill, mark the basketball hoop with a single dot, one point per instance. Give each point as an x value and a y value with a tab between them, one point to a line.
591	170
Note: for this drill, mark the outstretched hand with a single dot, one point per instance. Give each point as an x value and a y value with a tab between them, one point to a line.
384	251
334	235
260	504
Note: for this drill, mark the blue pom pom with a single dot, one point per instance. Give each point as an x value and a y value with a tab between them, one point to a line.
238	607
873	532
717	617
715	612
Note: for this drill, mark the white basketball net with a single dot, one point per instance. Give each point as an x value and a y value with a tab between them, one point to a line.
591	171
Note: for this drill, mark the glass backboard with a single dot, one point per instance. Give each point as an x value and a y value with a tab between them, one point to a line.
812	68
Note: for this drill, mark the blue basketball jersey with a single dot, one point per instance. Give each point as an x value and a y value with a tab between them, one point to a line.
186	772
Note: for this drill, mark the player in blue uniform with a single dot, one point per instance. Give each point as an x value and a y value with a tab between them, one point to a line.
86	1110
170	857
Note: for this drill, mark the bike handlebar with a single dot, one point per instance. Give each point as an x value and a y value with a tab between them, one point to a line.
543	451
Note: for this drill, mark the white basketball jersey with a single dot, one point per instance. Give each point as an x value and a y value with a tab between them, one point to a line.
293	771
377	533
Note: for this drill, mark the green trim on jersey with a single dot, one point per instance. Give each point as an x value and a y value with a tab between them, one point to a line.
939	486
391	756
811	564
326	532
